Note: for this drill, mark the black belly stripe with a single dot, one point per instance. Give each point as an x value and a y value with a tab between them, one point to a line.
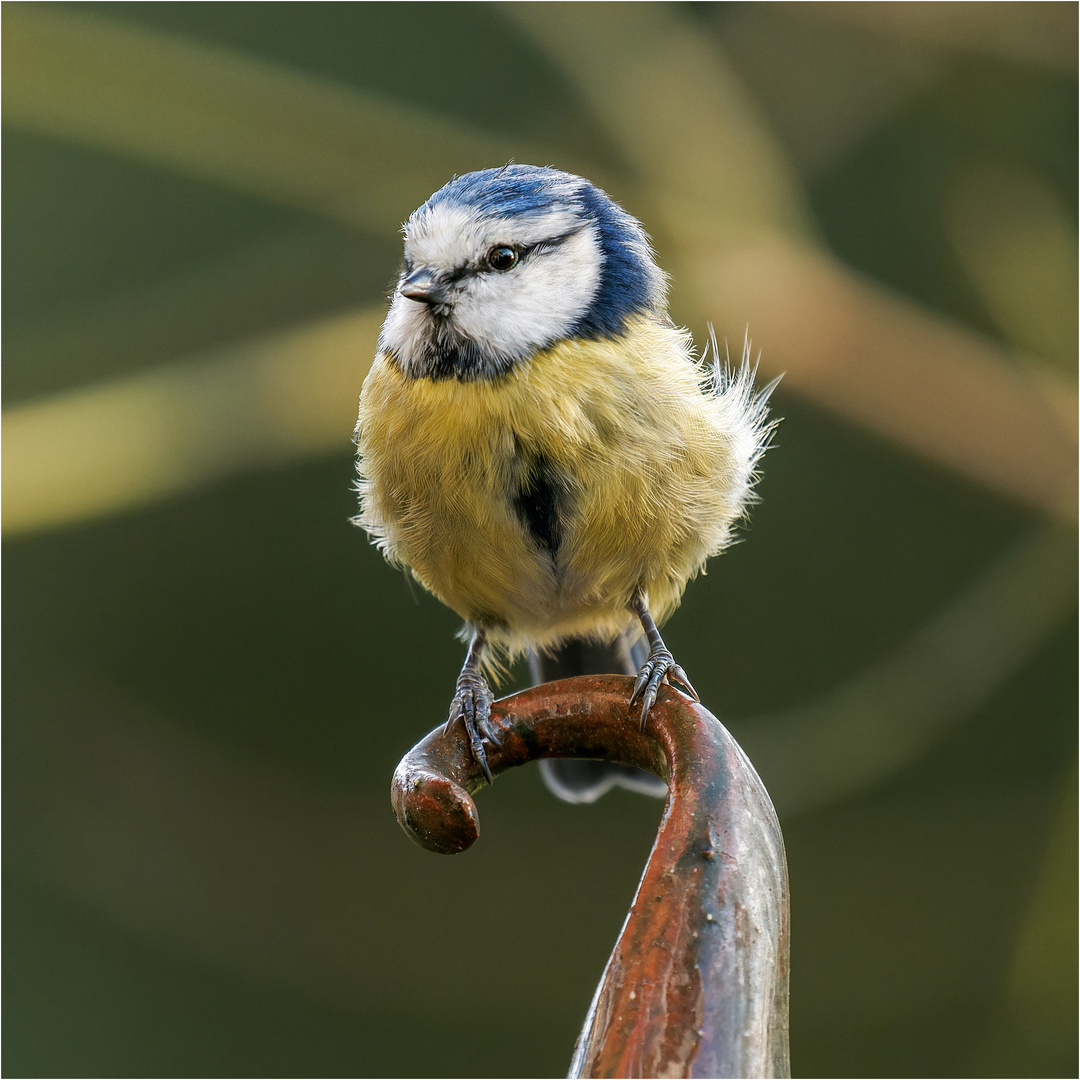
537	502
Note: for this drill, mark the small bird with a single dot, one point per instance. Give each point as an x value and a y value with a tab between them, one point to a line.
541	448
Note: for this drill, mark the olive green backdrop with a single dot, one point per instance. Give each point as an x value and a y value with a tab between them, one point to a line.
210	675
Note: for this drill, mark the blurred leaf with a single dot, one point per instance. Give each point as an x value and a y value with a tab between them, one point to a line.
252	290
1018	246
1037	32
825	83
1033	1029
116	445
920	380
872	725
211	113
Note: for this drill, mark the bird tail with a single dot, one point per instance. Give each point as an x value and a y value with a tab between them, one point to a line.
577	780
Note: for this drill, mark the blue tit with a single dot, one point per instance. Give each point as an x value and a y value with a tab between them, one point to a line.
539	445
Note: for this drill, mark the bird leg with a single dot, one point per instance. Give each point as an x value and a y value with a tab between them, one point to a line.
472	702
660	664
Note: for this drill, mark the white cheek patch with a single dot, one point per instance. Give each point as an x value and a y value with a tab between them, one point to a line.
535	303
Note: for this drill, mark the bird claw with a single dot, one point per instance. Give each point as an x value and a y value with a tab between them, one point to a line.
659	666
680	676
472	706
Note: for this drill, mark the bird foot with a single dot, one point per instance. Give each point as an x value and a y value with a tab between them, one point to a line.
660	666
472	706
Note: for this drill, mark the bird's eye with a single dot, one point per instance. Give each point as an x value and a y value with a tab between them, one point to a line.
502	258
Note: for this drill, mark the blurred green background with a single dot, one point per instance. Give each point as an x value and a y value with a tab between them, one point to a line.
210	675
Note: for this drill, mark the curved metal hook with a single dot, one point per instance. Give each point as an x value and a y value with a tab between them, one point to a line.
697	984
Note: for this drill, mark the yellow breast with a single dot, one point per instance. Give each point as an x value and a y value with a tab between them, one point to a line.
649	482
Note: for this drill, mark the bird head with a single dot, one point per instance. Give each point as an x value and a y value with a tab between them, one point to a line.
502	263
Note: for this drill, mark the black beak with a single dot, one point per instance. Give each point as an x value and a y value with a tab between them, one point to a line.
421	285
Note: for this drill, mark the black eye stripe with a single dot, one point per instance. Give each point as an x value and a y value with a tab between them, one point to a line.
523	251
538	247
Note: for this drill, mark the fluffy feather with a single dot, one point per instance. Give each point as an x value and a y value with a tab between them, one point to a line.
655	456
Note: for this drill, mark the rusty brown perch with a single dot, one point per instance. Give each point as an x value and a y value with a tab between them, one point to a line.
698	982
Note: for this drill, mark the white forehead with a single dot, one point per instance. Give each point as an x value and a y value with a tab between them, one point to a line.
447	235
